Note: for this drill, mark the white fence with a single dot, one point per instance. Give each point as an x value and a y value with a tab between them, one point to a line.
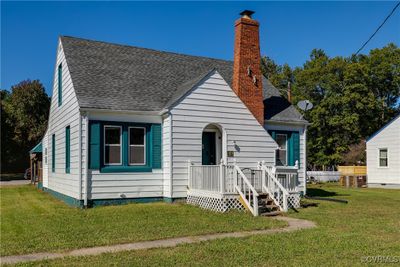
324	176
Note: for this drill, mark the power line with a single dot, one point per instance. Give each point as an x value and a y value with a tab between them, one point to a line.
380	26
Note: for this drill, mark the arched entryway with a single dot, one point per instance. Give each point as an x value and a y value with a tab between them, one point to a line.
212	144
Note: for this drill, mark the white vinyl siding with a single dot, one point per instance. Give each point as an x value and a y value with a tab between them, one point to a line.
45	161
166	158
59	118
387	139
213	101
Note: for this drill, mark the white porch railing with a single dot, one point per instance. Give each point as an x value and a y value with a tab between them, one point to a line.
223	180
288	177
247	192
274	188
213	178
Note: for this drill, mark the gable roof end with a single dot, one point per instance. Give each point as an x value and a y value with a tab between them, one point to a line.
383	127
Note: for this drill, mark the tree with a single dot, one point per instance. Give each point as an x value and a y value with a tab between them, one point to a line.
25	120
353	97
278	75
356	154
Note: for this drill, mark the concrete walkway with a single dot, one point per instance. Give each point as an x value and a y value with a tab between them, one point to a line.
14	182
293	225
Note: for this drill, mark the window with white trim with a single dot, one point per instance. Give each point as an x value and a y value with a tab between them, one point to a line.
383	157
137	146
112	145
281	152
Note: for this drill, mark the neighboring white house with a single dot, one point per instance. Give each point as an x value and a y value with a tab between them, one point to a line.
383	156
134	124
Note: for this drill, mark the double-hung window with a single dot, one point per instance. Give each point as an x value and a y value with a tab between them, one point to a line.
383	157
281	153
112	145
137	146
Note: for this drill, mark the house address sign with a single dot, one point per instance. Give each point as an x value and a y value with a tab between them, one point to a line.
231	154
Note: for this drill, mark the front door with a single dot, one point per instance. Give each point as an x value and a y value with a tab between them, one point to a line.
208	150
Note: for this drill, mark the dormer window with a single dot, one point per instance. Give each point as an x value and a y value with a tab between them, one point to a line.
59	84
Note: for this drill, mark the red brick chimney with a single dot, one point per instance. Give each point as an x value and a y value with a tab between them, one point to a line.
247	79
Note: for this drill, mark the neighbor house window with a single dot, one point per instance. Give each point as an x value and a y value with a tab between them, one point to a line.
112	145
383	157
137	146
59	85
67	149
281	153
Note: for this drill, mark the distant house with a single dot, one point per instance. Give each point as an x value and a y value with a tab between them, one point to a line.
383	156
133	124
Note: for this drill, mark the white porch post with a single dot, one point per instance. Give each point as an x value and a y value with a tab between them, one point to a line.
263	177
222	177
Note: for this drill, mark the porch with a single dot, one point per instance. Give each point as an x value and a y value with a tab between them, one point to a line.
261	190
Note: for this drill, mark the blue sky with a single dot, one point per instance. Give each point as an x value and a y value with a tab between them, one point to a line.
289	30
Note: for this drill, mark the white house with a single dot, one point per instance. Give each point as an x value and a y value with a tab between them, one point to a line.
383	156
130	124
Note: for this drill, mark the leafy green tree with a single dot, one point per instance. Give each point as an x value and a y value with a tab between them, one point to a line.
352	97
26	112
279	76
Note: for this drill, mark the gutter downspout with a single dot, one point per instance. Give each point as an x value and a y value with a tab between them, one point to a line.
80	157
85	201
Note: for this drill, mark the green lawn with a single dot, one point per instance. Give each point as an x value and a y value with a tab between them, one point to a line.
369	225
33	221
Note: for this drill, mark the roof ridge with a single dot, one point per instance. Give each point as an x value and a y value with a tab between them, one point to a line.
144	48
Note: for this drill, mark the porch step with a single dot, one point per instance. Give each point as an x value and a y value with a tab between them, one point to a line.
267	206
272	213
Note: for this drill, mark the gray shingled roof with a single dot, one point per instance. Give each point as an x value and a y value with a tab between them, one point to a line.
276	107
121	77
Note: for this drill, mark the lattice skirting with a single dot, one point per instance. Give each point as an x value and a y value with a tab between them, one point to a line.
218	204
294	201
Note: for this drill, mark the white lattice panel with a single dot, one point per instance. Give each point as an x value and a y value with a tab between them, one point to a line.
294	201
218	204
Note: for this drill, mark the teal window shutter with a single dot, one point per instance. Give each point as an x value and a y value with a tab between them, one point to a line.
294	148
156	145
59	85
273	134
94	145
53	153
67	149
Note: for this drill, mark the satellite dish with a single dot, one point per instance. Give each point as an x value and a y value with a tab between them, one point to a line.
305	105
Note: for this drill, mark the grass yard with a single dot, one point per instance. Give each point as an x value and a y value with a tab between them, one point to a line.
368	226
33	221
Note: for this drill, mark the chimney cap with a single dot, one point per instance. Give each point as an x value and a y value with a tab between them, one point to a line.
246	13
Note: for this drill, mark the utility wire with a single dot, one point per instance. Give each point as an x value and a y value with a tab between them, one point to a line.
380	26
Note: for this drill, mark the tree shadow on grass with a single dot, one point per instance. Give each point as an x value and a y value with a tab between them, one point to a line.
317	192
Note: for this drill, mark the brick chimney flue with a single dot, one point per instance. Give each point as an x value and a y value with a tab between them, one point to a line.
247	77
